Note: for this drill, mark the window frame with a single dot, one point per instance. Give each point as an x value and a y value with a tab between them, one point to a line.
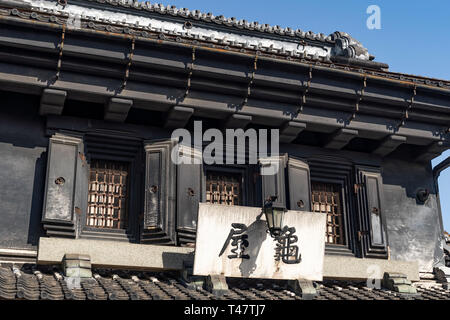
127	205
111	152
236	171
340	173
249	196
344	208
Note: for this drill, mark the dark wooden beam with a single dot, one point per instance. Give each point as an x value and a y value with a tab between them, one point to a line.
389	144
291	130
236	121
178	117
340	138
52	101
117	109
26	79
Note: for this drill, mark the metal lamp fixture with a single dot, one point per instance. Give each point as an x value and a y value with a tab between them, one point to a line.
274	216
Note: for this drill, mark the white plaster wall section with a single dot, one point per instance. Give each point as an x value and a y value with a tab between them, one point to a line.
108	16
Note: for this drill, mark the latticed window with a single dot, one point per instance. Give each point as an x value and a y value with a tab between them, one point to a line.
326	198
223	188
107	202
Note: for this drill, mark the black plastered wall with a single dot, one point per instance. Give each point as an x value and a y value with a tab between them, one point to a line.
414	229
22	170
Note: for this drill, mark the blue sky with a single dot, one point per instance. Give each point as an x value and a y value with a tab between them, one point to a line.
414	35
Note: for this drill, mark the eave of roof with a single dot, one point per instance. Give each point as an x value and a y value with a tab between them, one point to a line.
146	6
107	28
204	27
29	34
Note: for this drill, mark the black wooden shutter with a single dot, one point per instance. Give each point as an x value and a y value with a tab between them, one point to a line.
81	188
190	185
273	184
66	185
299	183
372	233
160	180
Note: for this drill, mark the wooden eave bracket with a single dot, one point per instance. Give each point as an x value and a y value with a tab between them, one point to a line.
52	102
117	109
340	138
389	144
178	117
432	151
237	120
290	131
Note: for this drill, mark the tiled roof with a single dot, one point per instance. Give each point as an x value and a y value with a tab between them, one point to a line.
146	6
216	29
312	49
47	283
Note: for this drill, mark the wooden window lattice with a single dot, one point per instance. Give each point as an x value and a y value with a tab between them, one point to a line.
223	188
107	202
326	198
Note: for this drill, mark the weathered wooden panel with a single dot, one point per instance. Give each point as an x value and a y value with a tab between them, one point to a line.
63	197
63	152
299	185
273	179
159	212
373	199
214	224
372	232
153	189
189	189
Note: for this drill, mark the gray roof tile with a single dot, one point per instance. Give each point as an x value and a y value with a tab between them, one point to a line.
342	45
32	282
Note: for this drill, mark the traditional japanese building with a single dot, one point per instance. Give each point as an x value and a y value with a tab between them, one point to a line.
91	92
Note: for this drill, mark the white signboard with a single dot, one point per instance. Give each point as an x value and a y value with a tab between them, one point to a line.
213	230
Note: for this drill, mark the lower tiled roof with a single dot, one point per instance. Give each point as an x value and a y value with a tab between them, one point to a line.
31	282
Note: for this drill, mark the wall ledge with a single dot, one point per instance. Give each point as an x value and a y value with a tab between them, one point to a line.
17	256
351	268
122	255
114	254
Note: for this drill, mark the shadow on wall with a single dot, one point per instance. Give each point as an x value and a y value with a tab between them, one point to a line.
22	173
23	165
410	176
256	236
35	230
20	122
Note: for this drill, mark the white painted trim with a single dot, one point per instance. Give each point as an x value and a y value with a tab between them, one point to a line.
177	28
